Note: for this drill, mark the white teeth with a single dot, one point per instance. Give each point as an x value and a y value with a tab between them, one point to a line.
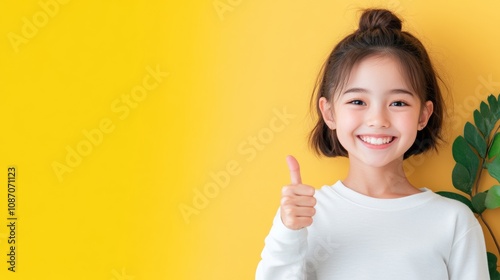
376	141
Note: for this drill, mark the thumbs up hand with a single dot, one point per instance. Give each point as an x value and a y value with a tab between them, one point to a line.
297	200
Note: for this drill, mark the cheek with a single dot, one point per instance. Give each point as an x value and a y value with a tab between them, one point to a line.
346	124
407	124
347	121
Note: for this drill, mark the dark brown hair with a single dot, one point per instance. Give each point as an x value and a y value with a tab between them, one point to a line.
379	33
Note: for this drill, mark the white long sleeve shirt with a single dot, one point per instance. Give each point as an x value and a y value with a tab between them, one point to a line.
356	237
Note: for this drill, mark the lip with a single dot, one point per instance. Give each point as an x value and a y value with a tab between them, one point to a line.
377	141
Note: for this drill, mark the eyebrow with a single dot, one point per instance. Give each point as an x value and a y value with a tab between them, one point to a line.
393	91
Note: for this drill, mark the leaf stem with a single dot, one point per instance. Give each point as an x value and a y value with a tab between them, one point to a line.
489	141
490	231
478	180
476	187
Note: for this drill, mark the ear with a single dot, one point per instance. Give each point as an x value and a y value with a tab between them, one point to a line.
327	112
425	114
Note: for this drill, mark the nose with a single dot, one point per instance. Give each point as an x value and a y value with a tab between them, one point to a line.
377	117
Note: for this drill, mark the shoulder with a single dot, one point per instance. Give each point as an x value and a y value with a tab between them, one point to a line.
448	204
452	210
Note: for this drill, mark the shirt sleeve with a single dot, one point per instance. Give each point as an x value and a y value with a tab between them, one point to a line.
284	253
468	259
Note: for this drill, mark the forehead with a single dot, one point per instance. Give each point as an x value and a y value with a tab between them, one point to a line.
378	72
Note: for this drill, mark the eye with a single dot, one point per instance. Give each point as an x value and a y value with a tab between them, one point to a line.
399	103
356	102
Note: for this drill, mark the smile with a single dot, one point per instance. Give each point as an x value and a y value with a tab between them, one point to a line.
376	140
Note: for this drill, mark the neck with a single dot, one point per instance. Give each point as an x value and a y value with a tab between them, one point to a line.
382	182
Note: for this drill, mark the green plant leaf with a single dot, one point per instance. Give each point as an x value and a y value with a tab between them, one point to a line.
494	274
478	202
485	110
497	109
497	113
458	197
493	105
457	149
489	118
492	200
494	168
463	154
461	179
495	146
492	266
480	123
474	138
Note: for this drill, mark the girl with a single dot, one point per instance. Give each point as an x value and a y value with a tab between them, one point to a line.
378	102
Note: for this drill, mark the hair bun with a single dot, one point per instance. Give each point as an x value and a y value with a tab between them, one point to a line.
378	18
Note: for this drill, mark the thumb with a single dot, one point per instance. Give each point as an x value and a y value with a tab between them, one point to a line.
294	168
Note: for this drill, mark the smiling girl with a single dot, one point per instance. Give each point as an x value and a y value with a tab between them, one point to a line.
378	103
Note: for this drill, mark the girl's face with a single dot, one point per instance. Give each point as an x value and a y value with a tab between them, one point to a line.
377	114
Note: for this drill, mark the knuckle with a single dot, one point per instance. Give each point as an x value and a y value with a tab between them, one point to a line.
289	223
313	201
289	211
312	191
286	200
286	190
313	211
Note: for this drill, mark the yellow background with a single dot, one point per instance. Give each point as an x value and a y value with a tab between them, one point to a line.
232	65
